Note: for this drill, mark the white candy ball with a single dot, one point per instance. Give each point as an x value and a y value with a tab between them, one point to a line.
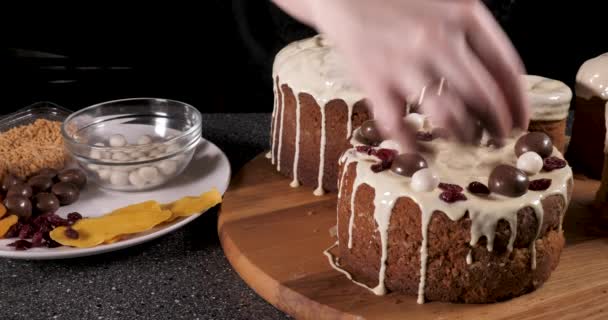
424	180
119	178
161	148
148	173
154	153
530	162
93	166
136	179
117	140
120	156
415	121
100	144
137	154
96	154
145	139
172	148
104	174
168	167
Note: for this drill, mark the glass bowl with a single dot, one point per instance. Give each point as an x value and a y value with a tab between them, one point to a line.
133	144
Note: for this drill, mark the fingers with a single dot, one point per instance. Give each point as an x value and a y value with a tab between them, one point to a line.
498	55
448	111
472	84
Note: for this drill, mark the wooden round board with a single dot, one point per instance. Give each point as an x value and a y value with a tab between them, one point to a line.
274	237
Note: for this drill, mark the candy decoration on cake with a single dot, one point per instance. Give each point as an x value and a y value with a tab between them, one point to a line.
528	186
585	150
549	102
316	109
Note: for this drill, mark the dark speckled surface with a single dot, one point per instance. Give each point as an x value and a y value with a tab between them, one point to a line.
183	275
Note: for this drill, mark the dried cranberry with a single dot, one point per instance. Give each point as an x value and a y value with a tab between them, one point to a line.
25	232
477	187
452	196
52	244
37	239
21	245
380	166
74	216
385	154
539	184
365	149
71	233
424	136
450	187
552	163
56	220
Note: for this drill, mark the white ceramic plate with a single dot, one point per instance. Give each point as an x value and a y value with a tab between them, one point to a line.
209	168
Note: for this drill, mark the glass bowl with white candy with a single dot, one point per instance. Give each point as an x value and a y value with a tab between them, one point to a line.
133	144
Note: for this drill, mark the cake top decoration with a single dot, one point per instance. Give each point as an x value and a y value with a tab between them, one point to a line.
592	78
549	98
311	65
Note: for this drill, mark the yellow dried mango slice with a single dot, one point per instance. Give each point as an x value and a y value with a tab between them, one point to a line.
188	206
95	231
7	223
2	209
150	205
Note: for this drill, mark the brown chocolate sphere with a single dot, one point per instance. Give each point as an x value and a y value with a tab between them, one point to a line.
8	181
508	181
18	205
406	164
538	142
66	192
46	202
20	189
75	176
40	183
369	131
48	172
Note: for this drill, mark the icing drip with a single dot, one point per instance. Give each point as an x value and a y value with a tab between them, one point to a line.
549	99
458	164
268	155
469	257
295	183
275	111
281	128
349	123
319	190
592	78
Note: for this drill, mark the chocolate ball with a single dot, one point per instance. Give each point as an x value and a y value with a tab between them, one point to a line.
406	164
369	131
48	172
46	202
508	181
8	181
20	189
75	176
40	183
18	205
538	142
66	192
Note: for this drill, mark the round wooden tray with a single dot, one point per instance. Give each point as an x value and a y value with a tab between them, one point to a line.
274	237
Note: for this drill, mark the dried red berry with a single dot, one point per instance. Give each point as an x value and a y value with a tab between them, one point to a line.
451	196
450	187
424	136
477	187
365	149
21	245
539	184
552	163
25	232
74	216
71	233
385	154
37	239
52	244
56	220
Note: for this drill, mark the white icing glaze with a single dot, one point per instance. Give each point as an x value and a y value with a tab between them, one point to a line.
311	66
296	157
530	162
549	99
459	164
319	190
469	258
275	112
606	123
592	78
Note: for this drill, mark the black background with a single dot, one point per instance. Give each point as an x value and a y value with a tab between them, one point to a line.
217	55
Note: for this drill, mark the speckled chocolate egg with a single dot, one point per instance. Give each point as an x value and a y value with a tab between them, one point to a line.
508	181
75	176
538	142
66	192
46	202
369	131
406	164
18	205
